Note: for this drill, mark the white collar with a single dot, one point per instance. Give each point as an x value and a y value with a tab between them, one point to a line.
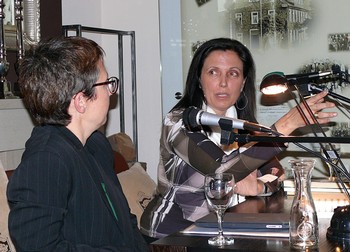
231	112
215	135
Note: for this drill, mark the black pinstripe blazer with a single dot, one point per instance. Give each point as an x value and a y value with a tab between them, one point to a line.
66	197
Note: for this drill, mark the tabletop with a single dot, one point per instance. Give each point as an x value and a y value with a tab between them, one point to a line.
277	203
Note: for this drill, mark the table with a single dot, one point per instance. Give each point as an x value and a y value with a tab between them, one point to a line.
276	203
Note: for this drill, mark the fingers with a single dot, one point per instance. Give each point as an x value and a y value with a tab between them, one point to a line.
293	119
317	105
323	115
318	98
318	108
248	186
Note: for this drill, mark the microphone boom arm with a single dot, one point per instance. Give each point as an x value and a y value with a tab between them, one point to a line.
245	138
330	93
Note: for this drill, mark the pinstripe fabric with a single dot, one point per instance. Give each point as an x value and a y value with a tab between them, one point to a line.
57	201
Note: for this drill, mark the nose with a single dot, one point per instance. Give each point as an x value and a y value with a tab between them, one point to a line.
223	81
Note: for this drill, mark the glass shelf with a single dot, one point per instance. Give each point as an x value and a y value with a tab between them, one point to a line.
11	104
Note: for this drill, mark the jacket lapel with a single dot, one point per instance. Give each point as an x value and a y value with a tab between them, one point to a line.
102	188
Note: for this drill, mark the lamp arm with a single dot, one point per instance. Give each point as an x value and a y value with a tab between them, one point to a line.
330	93
246	138
339	168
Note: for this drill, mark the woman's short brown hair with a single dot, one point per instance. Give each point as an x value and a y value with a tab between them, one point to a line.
53	71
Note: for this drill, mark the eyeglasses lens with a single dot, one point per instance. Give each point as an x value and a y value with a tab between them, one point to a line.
113	85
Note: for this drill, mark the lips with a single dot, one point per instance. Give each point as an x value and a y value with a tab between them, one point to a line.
222	95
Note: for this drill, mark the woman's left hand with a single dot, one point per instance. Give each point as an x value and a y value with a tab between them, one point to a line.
293	119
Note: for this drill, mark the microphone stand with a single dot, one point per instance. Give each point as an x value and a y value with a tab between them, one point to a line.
228	137
337	170
245	138
340	219
340	216
330	93
304	87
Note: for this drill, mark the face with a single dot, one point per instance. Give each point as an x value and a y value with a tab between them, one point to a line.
222	80
99	104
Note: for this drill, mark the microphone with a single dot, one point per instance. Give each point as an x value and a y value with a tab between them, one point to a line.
193	117
277	82
313	75
308	75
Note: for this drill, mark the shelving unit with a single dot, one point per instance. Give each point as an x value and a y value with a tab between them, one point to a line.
79	31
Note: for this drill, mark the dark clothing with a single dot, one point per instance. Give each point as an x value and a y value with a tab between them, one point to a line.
66	197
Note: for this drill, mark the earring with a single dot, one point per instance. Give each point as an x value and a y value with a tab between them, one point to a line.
242	100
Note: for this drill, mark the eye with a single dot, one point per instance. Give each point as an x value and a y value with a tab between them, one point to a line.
233	74
213	73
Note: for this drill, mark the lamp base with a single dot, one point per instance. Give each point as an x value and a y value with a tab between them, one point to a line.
339	229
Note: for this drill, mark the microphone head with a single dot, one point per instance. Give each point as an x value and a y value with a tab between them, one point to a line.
189	117
336	69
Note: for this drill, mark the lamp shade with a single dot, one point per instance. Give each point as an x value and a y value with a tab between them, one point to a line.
274	83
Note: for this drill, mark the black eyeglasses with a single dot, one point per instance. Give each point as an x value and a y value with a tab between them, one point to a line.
112	82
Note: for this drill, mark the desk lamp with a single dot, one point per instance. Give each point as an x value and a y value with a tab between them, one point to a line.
276	83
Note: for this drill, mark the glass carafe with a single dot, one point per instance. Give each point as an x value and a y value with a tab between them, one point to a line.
303	226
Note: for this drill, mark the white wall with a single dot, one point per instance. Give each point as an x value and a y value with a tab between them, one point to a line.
209	21
143	18
171	52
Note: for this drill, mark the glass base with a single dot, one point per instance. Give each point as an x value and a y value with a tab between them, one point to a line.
221	240
304	245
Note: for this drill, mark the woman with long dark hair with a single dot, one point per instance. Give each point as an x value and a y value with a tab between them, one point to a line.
221	80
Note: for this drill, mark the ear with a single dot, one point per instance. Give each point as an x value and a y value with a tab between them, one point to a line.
79	102
199	83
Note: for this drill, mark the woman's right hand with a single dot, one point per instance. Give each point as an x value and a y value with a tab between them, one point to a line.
249	186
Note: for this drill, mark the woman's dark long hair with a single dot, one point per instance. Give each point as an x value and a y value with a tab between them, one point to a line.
193	94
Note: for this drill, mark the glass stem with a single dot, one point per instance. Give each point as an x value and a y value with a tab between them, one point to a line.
220	214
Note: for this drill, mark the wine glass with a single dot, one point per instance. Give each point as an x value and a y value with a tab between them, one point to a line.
219	192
